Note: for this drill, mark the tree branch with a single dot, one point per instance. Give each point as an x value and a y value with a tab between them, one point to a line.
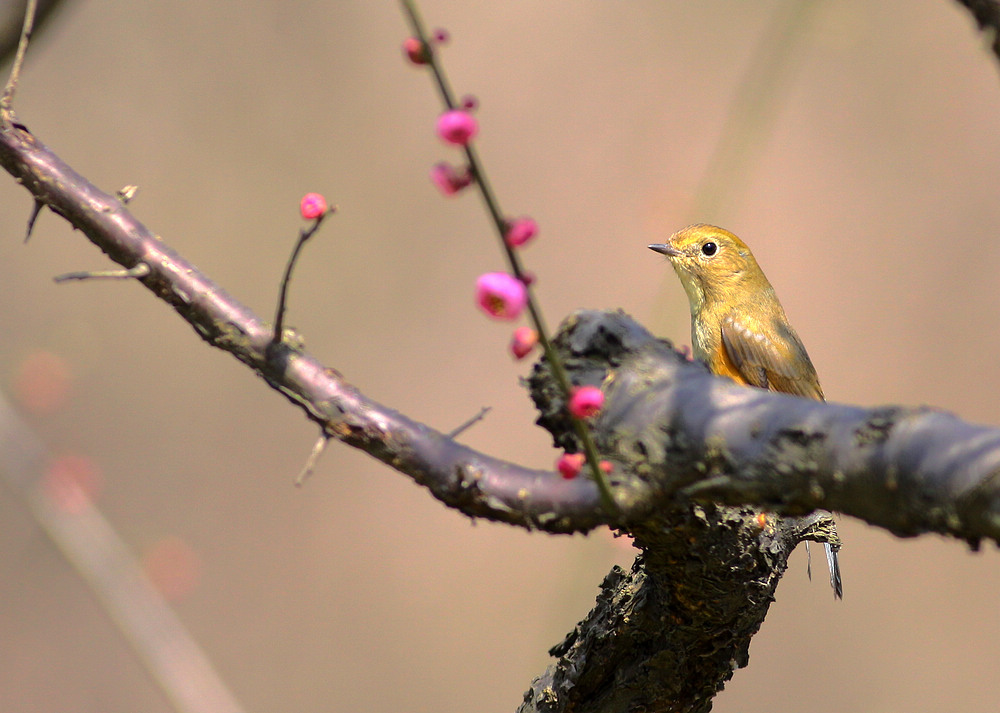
674	427
476	484
668	634
11	22
687	433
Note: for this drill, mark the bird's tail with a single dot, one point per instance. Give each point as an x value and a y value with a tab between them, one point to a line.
833	562
821	522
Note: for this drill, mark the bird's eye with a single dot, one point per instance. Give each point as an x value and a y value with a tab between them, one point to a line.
709	249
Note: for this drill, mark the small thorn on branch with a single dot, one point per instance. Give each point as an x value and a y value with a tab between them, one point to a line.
471	422
35	210
139	271
307	470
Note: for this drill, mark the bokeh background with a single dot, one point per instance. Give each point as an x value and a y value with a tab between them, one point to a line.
868	190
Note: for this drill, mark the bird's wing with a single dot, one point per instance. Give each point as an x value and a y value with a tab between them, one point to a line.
777	364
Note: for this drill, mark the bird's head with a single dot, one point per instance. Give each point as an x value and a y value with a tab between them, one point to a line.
711	262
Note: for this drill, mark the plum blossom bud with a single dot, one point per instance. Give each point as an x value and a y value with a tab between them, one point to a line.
585	401
450	180
415	51
520	230
570	464
312	206
457	127
500	295
524	340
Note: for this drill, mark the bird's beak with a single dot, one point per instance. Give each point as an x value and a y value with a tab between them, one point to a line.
664	249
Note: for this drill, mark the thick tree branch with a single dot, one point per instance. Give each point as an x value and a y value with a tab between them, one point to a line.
685	432
668	634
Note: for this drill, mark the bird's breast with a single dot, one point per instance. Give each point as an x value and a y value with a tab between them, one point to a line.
707	346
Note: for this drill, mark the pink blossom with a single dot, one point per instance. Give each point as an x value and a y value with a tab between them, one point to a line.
520	231
570	464
312	206
450	180
457	127
585	401
501	295
524	340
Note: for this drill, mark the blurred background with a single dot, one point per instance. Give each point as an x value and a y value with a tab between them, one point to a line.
862	170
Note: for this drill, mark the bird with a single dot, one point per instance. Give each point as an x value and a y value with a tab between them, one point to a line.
738	327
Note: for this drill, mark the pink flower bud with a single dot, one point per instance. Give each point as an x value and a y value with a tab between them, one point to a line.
457	127
500	295
312	206
570	464
520	231
585	401
606	467
415	51
525	339
450	180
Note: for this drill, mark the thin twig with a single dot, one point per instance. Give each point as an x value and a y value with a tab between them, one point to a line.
493	207
304	235
22	46
471	422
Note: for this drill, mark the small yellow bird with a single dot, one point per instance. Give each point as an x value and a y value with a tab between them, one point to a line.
738	327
